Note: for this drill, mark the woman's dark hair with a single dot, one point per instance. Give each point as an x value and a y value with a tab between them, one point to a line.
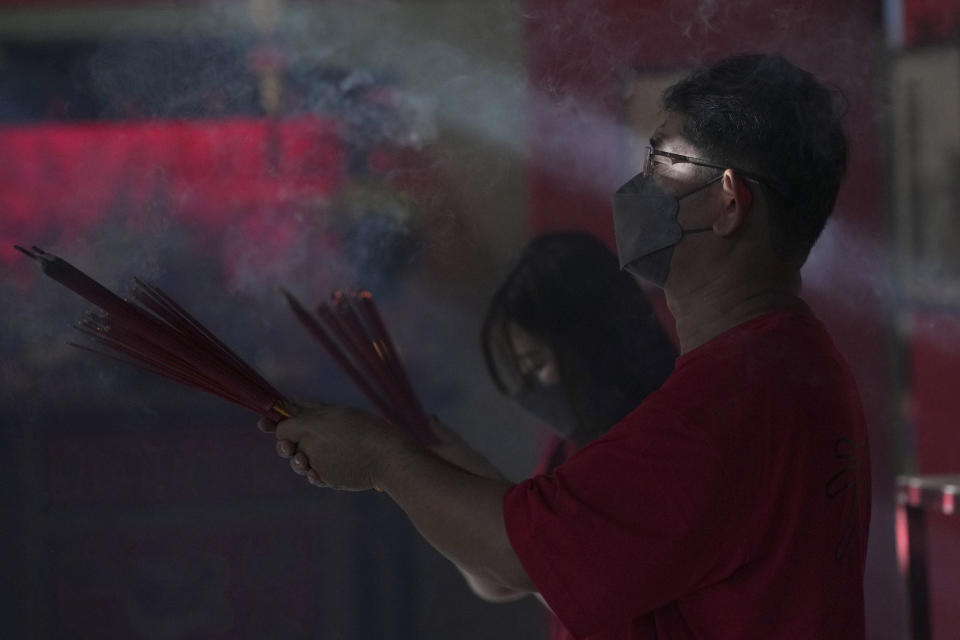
567	289
762	114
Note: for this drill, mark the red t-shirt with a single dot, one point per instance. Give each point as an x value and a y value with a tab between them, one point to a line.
556	452
733	503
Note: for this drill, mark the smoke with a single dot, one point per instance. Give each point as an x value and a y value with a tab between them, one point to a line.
371	67
400	77
186	78
700	20
847	269
851	269
348	67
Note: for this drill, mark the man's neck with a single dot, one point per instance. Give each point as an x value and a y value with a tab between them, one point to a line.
707	311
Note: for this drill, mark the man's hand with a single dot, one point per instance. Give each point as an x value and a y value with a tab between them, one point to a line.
459	513
340	447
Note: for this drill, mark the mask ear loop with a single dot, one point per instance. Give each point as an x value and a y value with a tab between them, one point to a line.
684	232
702	187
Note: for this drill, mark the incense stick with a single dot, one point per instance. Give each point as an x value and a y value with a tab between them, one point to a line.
370	311
350	329
162	337
329	345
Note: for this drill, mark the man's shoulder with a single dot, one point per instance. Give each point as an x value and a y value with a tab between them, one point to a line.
770	361
768	339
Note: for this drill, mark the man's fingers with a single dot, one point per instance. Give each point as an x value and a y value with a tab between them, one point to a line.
299	463
289	430
266	425
295	428
315	479
286	449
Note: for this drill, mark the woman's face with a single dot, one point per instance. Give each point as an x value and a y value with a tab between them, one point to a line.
534	358
546	398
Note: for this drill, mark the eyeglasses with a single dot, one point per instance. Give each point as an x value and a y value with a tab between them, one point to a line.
657	158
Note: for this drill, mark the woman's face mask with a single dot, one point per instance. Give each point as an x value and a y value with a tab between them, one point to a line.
549	404
542	393
646	227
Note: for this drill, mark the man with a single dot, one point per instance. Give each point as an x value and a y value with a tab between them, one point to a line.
734	502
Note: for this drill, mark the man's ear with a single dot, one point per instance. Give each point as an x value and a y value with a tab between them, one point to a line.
737	203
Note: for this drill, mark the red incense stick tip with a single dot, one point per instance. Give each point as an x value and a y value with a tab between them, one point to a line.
25	252
289	296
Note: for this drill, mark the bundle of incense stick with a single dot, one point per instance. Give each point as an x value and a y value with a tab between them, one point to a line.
157	334
351	330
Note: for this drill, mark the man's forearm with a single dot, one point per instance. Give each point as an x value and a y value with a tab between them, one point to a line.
459	513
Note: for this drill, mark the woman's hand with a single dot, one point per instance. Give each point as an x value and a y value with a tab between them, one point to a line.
453	449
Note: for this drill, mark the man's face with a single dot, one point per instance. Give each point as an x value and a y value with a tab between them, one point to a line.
679	179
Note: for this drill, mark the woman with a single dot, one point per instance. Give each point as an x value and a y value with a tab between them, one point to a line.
574	340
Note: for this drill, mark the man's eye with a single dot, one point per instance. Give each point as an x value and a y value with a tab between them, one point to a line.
658	165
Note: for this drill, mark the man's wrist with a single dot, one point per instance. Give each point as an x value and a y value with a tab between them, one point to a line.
398	456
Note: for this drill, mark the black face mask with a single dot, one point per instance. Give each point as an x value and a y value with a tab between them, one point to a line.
646	227
549	404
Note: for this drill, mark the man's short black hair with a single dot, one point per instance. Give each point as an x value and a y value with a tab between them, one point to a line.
764	115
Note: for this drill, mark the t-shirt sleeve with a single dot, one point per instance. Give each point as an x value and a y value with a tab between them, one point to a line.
631	522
